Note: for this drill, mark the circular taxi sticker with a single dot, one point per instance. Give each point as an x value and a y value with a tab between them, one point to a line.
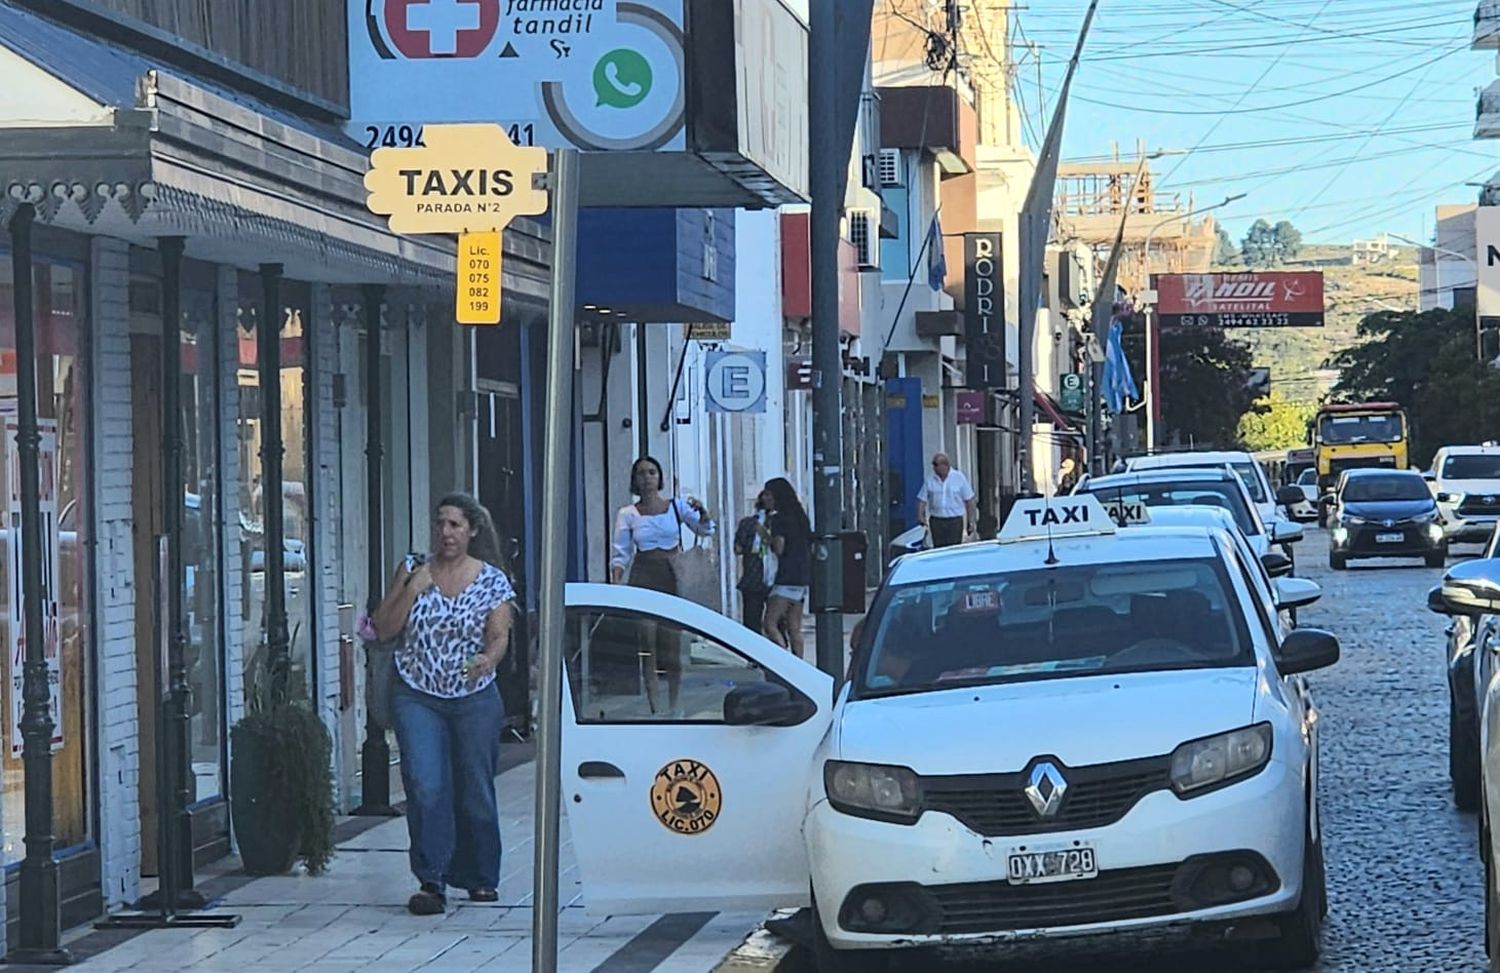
685	797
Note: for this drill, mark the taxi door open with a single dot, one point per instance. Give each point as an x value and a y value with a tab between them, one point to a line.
687	755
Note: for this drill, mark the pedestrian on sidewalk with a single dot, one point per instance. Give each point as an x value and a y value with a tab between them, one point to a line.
945	504
453	611
648	538
757	563
790	537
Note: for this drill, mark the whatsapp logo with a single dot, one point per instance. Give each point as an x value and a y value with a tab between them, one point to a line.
622	78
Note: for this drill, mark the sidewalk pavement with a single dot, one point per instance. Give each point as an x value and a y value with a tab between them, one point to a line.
353	919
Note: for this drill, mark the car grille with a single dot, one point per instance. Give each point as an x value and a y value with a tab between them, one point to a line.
1126	893
1480	505
996	804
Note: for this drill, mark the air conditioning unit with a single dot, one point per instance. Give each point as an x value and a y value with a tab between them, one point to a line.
890	168
864	229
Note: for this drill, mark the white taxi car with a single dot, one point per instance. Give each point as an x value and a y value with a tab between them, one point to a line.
1073	730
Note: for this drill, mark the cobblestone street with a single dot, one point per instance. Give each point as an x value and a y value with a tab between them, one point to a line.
1404	879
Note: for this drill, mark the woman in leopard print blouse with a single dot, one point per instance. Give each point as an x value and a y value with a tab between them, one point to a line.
453	611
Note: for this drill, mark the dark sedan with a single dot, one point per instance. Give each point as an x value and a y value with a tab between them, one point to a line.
1384	513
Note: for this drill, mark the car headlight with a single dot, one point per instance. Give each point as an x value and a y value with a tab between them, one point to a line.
1426	518
1340	535
1435	532
873	791
1200	765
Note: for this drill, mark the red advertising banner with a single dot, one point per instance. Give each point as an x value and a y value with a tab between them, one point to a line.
1269	299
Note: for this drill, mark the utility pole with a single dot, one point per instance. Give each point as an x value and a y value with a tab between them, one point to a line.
1036	225
838	46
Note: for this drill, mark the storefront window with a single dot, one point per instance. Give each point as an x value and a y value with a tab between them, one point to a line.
201	538
62	394
295	542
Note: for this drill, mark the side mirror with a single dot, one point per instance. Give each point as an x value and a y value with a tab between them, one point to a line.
1290	496
1445	498
1277	564
766	704
1471	588
1283	532
1435	602
1307	649
1296	592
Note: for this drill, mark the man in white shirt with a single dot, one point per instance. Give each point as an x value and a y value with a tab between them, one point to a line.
945	504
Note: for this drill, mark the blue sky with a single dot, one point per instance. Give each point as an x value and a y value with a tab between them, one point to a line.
1371	102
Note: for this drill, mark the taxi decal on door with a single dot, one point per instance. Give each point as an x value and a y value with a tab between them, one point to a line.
685	797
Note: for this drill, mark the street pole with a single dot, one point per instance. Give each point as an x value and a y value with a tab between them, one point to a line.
1035	229
375	754
556	474
41	920
1153	328
828	163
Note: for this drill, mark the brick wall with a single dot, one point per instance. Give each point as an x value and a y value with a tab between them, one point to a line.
114	567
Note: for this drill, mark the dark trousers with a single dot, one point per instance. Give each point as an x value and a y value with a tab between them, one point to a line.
946	531
450	753
754	615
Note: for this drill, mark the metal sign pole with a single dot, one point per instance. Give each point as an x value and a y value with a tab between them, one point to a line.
554	543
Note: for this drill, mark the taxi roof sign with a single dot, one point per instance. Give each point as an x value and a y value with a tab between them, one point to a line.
1042	519
1128	513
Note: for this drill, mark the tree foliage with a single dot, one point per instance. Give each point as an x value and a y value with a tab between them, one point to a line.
1276	423
1205	379
1225	252
1425	361
1266	245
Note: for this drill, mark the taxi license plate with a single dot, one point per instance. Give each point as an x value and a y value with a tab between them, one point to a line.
1059	865
1389	538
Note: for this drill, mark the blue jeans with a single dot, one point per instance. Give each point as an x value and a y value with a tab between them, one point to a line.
450	754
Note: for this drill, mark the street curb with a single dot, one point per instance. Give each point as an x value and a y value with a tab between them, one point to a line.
762	952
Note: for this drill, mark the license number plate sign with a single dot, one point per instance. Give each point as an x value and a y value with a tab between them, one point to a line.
1052	865
1396	538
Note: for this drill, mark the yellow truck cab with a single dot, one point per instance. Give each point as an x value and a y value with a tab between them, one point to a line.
1349	436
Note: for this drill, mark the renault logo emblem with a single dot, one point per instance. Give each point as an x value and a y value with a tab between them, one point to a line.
1046	789
1489	501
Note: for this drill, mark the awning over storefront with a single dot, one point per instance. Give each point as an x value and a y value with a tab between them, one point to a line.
1054	413
115	144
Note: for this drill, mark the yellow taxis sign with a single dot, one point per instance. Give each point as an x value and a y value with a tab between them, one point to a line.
467	177
479	278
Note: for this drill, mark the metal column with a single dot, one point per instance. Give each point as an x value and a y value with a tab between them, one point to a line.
556	459
41	919
268	339
375	755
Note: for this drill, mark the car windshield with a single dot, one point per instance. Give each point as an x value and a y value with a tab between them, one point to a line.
1475	466
1247	471
1372	489
1345	430
1053	623
1204	493
1309	477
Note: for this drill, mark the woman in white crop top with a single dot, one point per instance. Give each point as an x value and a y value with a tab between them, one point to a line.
648	537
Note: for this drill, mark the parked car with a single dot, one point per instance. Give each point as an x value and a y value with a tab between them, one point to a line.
1469	638
1471	591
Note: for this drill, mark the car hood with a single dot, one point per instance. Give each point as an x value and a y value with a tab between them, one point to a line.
1470	487
1389	509
1080	721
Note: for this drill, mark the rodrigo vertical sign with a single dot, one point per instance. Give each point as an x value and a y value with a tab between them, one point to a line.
984	312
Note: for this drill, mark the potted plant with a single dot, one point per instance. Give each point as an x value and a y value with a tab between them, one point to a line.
281	782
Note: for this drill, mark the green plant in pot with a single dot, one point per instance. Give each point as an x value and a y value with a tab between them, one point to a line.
280	776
